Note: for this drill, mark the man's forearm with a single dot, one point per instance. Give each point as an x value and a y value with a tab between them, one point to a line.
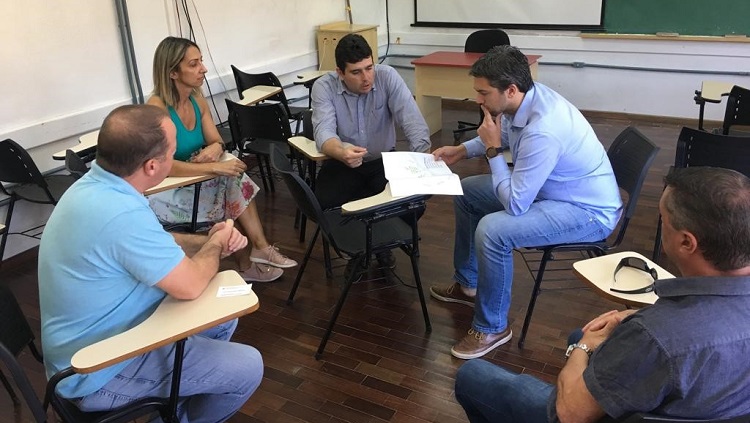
334	148
190	243
572	394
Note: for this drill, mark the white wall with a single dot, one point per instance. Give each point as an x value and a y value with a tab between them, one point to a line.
63	67
628	91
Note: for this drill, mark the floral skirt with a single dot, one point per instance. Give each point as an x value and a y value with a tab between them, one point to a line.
221	198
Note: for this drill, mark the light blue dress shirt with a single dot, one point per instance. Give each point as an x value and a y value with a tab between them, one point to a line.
368	120
556	156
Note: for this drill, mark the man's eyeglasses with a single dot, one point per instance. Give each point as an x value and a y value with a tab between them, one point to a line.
638	264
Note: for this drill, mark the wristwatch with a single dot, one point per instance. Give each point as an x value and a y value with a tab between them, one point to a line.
491	152
583	347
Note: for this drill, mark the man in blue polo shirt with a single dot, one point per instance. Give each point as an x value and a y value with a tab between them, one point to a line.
683	357
562	189
105	264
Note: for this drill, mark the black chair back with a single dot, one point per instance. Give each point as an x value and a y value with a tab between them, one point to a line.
738	109
248	80
700	148
75	164
483	40
307	126
17	166
631	155
268	121
303	195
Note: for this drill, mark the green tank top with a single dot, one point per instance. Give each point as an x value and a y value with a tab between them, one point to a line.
188	142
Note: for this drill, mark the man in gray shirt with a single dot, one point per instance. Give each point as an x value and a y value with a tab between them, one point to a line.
355	113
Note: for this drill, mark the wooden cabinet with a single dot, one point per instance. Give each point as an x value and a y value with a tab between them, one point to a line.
330	34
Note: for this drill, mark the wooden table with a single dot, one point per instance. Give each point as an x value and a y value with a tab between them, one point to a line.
598	272
257	94
446	74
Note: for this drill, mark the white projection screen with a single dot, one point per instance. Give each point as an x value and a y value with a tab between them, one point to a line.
562	14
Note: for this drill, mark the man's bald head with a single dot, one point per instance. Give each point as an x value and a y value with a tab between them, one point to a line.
130	136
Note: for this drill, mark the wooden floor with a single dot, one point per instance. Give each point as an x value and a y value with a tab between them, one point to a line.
380	365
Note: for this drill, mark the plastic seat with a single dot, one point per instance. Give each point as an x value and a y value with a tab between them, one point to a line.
15	335
737	112
256	128
700	148
357	237
631	155
17	168
248	80
75	164
480	42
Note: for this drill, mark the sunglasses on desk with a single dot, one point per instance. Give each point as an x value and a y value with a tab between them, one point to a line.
638	264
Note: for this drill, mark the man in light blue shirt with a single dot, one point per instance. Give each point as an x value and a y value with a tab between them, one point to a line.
105	264
562	189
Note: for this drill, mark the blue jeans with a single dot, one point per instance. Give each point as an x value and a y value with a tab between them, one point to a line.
489	393
217	377
486	236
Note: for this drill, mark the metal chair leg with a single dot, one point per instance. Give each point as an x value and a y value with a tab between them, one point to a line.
339	306
656	255
9	388
534	293
418	282
297	280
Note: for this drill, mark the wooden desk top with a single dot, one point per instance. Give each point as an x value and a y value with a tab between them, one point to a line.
599	273
713	91
85	142
172	182
257	94
305	77
2	228
377	200
457	59
173	320
308	148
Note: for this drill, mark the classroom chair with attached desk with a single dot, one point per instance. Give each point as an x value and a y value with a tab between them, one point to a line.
256	129
17	168
737	112
700	148
15	335
355	236
248	80
631	155
480	42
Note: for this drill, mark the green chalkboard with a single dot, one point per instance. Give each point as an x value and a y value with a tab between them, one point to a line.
685	17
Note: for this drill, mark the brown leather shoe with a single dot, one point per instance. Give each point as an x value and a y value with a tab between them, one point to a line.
451	294
476	344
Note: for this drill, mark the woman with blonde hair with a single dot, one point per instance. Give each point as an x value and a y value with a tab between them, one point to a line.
178	76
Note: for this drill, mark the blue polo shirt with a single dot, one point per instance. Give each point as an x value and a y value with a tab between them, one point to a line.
101	254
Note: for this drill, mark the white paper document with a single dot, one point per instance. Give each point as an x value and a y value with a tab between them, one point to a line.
419	173
234	291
